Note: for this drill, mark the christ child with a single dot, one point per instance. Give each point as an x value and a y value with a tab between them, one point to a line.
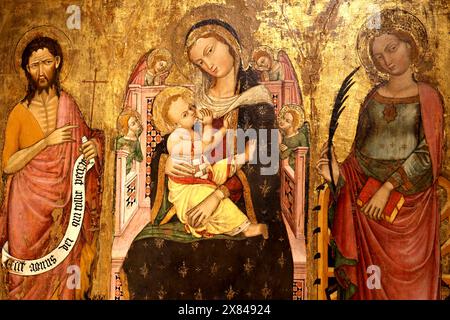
175	115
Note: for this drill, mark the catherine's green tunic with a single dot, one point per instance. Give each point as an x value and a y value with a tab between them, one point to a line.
391	145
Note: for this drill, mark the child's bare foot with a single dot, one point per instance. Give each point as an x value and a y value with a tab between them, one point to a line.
257	229
264	230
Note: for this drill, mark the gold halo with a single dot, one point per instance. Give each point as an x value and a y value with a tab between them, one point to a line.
389	20
44	31
160	52
292	107
229	15
160	106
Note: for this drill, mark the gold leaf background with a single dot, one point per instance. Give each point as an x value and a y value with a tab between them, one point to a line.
319	36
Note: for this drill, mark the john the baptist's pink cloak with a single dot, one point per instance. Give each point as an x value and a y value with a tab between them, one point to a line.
407	251
36	211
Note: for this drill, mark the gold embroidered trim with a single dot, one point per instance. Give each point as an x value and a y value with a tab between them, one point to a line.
172	211
387	100
160	191
247	197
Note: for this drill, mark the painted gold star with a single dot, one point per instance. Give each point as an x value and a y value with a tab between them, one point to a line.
281	260
144	270
198	295
266	291
249	169
229	244
161	293
159	243
230	293
262	244
265	188
213	269
183	270
248	266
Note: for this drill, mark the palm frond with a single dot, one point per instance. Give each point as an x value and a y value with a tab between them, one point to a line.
338	108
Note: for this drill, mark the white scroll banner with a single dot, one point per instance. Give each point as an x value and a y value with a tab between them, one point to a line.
55	257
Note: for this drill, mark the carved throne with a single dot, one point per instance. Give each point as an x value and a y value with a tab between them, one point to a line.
293	189
132	210
132	204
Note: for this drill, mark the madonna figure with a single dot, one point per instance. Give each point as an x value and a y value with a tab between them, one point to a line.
231	267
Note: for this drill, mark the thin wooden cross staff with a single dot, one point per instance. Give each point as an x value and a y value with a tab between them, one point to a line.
95	81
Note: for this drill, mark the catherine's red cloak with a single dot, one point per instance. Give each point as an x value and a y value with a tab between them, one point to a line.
407	251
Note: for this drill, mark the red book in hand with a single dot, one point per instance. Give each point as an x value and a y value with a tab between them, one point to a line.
393	205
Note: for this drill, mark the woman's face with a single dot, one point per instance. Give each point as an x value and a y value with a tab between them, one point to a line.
391	54
212	56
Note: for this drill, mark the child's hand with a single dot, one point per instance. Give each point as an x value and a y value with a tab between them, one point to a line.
206	116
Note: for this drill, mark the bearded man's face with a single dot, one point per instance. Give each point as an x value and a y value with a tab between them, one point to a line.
42	67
